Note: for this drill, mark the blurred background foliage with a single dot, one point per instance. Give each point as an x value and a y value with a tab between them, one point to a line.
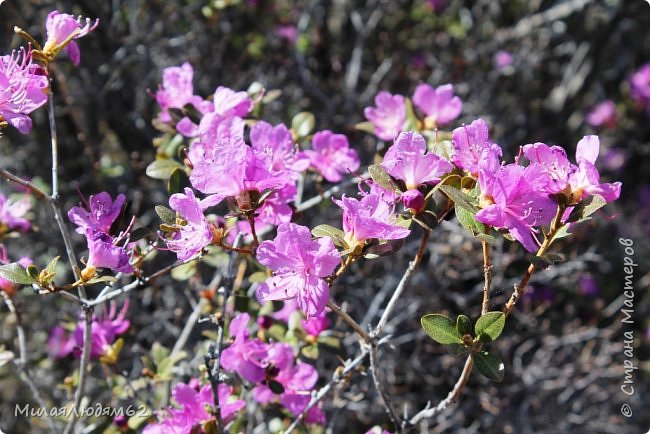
563	347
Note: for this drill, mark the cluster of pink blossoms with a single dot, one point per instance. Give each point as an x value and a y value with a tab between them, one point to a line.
195	401
94	222
227	168
24	85
23	89
104	331
273	369
439	105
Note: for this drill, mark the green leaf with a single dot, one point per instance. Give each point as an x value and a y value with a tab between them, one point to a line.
32	272
139	233
459	198
303	123
178	180
16	273
468	220
184	271
379	175
167	216
51	266
489	366
440	328
383	248
276	387
463	325
457	350
101	279
310	351
544	261
586	208
336	234
162	169
489	326
487	238
411	123
368	127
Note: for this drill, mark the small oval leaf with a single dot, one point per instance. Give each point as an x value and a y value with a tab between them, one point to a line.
440	328
489	366
162	169
463	325
489	326
16	273
303	123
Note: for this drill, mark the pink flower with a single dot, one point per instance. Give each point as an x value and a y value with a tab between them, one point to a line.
296	379
585	180
276	148
23	89
513	204
299	266
469	142
331	155
227	102
369	218
62	29
104	330
196	232
640	87
557	172
103	252
439	104
603	115
555	166
502	60
388	116
288	32
12	214
408	161
224	165
98	215
316	325
245	356
195	409
176	90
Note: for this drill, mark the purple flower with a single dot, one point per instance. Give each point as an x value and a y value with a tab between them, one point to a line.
104	331
588	285
98	215
437	5
288	32
603	115
369	218
176	90
195	232
331	155
103	252
299	266
297	380
640	87
227	102
223	164
275	146
408	161
469	142
316	325
585	180
245	356
413	200
23	89
439	105
62	29
554	164
502	60
511	202
388	116
194	411
12	214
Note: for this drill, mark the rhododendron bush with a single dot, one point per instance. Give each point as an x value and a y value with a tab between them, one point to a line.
231	293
